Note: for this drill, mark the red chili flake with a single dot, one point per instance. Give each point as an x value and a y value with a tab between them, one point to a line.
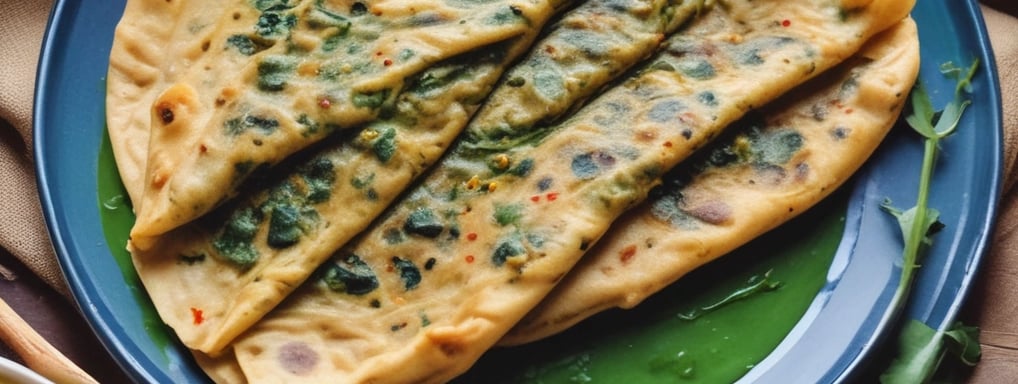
387	62
390	268
786	23
535	198
379	53
325	103
471	236
668	144
552	196
198	316
849	110
202	148
470	258
627	253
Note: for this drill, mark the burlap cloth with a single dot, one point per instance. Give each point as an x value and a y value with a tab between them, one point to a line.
23	233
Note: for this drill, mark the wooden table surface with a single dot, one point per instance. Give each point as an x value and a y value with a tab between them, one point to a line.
992	305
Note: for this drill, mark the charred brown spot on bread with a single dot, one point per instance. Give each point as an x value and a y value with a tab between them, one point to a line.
449	348
159	179
165	111
646	136
226	95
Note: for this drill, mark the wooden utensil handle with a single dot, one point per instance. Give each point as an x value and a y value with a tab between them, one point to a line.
37	353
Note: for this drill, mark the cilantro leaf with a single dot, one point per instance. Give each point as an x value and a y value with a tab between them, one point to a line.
919	353
923	348
963	342
907	219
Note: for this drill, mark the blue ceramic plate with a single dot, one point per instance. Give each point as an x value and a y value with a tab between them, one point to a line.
831	343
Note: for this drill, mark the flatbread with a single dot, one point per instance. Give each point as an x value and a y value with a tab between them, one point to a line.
281	75
252	252
453	265
356	177
153	46
785	159
591	46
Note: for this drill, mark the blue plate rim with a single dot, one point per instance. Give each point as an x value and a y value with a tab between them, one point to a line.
84	296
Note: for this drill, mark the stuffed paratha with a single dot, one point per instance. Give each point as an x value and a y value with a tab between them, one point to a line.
252	252
591	46
454	264
154	45
277	76
785	158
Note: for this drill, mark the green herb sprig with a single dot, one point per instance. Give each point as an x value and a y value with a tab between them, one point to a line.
755	285
921	348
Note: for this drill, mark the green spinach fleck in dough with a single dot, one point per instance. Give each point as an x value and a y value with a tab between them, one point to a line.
351	275
408	272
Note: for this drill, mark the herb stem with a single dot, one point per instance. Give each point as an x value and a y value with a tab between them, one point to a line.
921	348
916	232
756	284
